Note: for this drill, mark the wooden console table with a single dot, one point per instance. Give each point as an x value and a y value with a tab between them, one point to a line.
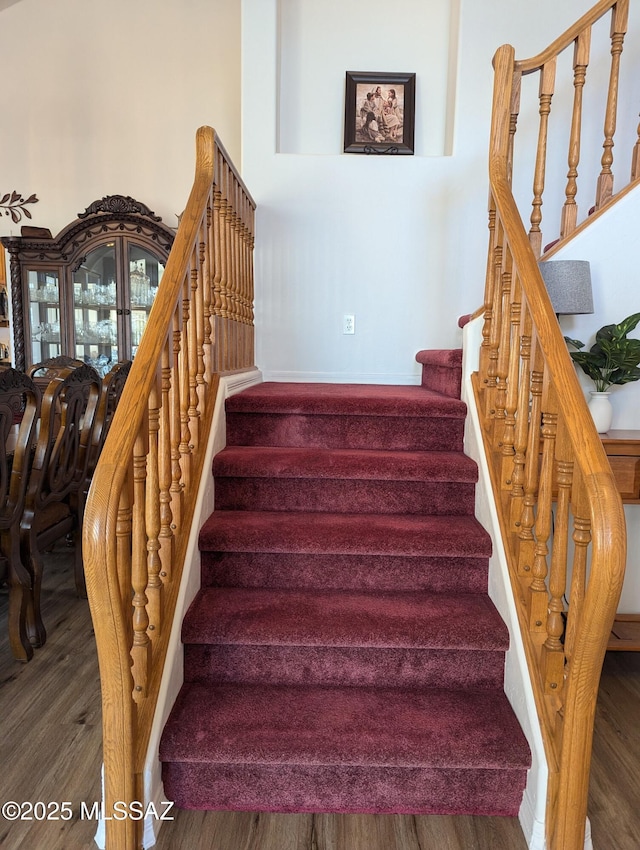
623	451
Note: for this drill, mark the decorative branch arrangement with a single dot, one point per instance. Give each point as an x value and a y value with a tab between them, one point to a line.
14	204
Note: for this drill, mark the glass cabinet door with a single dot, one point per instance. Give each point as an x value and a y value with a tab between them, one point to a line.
145	273
110	308
44	313
95	309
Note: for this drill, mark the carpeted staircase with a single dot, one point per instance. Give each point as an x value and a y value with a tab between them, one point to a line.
343	654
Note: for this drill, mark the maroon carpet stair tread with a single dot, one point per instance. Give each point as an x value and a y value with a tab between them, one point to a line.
343	666
345	416
358	464
442	370
377	400
319	725
328	533
344	789
315	739
342	654
344	638
347	571
275	478
333	618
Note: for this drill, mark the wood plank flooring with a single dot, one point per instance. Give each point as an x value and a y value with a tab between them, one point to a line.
50	750
50	718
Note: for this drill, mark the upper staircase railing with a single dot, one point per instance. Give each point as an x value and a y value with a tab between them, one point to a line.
560	512
143	494
574	135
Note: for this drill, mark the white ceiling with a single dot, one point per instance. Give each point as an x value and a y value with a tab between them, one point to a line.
5	3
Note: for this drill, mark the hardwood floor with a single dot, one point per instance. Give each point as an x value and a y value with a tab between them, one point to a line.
50	750
614	790
51	739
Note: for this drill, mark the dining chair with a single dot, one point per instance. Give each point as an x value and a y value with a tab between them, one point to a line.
54	503
19	411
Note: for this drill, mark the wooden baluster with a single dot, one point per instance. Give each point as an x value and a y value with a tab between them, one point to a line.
248	250
123	549
224	272
235	275
165	535
233	232
635	158
207	295
228	299
177	484
504	353
141	649
582	541
553	650
522	419
185	389
201	318
155	588
580	63
485	346
620	13
513	123
217	279
228	253
496	321
246	271
539	598
191	331
526	540
242	279
511	402
250	247
545	94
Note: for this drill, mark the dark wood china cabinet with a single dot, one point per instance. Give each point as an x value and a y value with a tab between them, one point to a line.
87	292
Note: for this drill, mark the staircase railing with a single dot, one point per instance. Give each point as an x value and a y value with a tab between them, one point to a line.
575	129
560	512
143	494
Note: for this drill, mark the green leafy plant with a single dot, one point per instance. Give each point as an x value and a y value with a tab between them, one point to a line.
613	358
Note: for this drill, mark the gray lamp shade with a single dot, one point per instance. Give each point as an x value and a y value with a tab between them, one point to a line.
568	283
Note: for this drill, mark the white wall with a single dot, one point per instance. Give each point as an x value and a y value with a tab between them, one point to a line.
398	241
311	77
105	98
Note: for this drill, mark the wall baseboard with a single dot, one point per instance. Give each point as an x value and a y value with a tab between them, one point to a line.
403	379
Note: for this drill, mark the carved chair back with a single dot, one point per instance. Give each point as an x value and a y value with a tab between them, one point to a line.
19	413
53	366
112	386
53	505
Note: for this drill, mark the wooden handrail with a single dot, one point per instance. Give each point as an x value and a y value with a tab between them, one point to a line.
555	494
143	494
535	63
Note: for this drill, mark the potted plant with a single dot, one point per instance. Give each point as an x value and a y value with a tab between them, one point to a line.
614	358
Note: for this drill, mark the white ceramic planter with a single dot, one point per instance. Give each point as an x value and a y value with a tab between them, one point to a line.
601	411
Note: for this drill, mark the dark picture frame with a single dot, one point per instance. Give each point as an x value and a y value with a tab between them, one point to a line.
379	113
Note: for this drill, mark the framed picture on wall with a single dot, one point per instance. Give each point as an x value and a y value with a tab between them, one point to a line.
379	113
